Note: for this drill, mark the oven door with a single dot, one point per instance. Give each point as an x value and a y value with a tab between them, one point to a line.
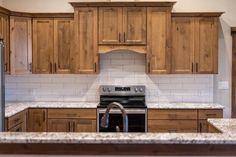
137	120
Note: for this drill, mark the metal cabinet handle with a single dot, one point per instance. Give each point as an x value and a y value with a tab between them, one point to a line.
30	67
119	37
44	116
55	64
196	67
124	38
192	67
50	67
149	67
95	67
200	127
211	114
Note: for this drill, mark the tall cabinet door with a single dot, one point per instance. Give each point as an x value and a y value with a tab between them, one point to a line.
158	57
182	45
85	57
110	25
135	25
206	45
42	46
63	42
37	120
21	49
4	34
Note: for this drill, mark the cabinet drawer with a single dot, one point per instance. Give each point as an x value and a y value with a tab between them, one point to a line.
205	114
16	119
72	113
172	114
172	126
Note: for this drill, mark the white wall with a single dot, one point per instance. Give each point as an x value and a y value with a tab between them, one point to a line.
225	42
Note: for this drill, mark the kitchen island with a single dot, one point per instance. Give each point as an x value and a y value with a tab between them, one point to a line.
223	143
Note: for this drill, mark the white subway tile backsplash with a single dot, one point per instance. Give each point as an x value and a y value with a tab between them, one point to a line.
116	68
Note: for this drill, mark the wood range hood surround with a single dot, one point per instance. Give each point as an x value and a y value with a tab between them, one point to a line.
117	26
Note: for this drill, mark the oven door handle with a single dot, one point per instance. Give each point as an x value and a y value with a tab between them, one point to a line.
128	111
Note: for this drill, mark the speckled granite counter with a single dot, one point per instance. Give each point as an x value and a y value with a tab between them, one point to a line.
184	106
227	126
15	107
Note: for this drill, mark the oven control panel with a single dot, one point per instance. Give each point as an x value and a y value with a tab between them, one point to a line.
118	90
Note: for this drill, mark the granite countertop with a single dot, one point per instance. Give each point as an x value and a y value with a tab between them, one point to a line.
227	126
13	108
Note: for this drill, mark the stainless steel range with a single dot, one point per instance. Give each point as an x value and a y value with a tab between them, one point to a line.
122	109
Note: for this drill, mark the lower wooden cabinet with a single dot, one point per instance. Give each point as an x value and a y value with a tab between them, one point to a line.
37	120
17	123
59	125
85	125
176	126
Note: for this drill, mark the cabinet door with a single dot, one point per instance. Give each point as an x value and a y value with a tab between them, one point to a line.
59	125
158	57
21	50
206	45
85	125
4	34
37	120
182	45
63	42
110	25
135	25
85	58
42	46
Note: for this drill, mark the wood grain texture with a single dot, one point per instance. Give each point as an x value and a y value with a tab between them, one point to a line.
85	55
172	114
182	45
196	14
120	149
134	25
72	113
63	45
21	45
233	105
37	121
172	126
205	114
85	125
110	25
42	46
106	49
18	122
158	34
59	125
206	45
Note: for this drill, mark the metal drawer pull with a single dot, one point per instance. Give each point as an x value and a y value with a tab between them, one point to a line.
211	114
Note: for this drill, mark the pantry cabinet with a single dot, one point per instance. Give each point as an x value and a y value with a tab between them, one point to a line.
85	57
194	44
158	42
21	45
52	45
122	25
5	35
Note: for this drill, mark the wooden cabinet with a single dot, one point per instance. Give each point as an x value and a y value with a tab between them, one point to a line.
203	115
42	46
123	25
158	42
182	45
21	45
4	34
72	120
166	120
63	45
194	45
37	120
85	57
18	122
52	45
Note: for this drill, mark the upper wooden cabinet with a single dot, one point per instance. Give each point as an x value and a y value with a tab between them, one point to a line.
42	46
85	57
195	44
158	44
52	45
21	45
4	34
123	25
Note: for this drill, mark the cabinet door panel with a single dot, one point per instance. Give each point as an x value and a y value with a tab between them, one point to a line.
207	46
59	125
110	25
135	25
21	50
37	120
158	22
63	42
85	57
85	125
4	34
182	45
42	45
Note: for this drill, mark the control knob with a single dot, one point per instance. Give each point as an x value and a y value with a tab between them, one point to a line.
141	90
